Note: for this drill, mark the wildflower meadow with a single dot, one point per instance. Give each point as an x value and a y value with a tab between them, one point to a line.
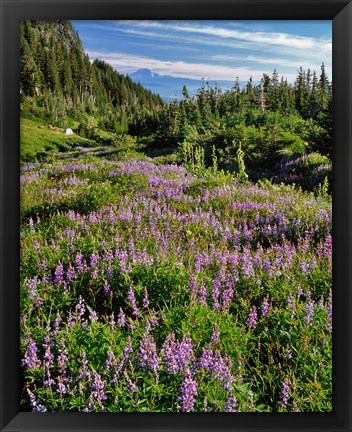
149	287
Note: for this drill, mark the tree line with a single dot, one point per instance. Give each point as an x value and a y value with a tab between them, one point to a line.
58	75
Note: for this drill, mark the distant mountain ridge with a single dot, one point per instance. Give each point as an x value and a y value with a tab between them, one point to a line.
170	87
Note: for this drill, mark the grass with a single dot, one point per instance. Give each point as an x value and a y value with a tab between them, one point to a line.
40	141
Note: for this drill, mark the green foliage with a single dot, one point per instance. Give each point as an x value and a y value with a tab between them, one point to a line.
323	189
193	157
241	174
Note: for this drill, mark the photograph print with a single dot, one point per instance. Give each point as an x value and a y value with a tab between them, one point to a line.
176	216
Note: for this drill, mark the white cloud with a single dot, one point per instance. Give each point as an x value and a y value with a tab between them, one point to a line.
275	62
297	56
127	63
263	50
269	38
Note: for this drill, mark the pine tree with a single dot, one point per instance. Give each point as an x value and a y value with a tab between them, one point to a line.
299	91
31	76
323	88
185	93
67	83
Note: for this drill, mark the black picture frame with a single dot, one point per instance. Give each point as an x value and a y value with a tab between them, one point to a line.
11	12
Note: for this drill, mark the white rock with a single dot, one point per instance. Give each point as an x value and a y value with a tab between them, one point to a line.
68	131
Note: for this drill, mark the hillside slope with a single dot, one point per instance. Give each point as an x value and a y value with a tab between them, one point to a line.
62	88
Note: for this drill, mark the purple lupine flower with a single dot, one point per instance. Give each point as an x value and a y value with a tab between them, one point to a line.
328	246
131	245
122	257
291	304
43	265
309	310
128	350
93	261
48	362
221	370
226	297
299	292
287	353
230	404
206	359
30	358
112	321
71	319
62	358
168	353
84	372
252	319
38	302
305	268
90	405
110	362
329	311
215	338
93	264
216	292
154	318
80	308
80	264
109	273
32	286
58	275
121	318
95	273
246	261
177	355
202	293
57	323
70	274
148	356
132	388
193	287
125	356
34	403
131	325
132	300
93	316
109	256
146	298
61	388
284	393
97	386
321	302
188	390
265	307
107	289
48	356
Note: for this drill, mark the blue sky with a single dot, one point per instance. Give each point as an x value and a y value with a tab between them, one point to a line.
216	50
